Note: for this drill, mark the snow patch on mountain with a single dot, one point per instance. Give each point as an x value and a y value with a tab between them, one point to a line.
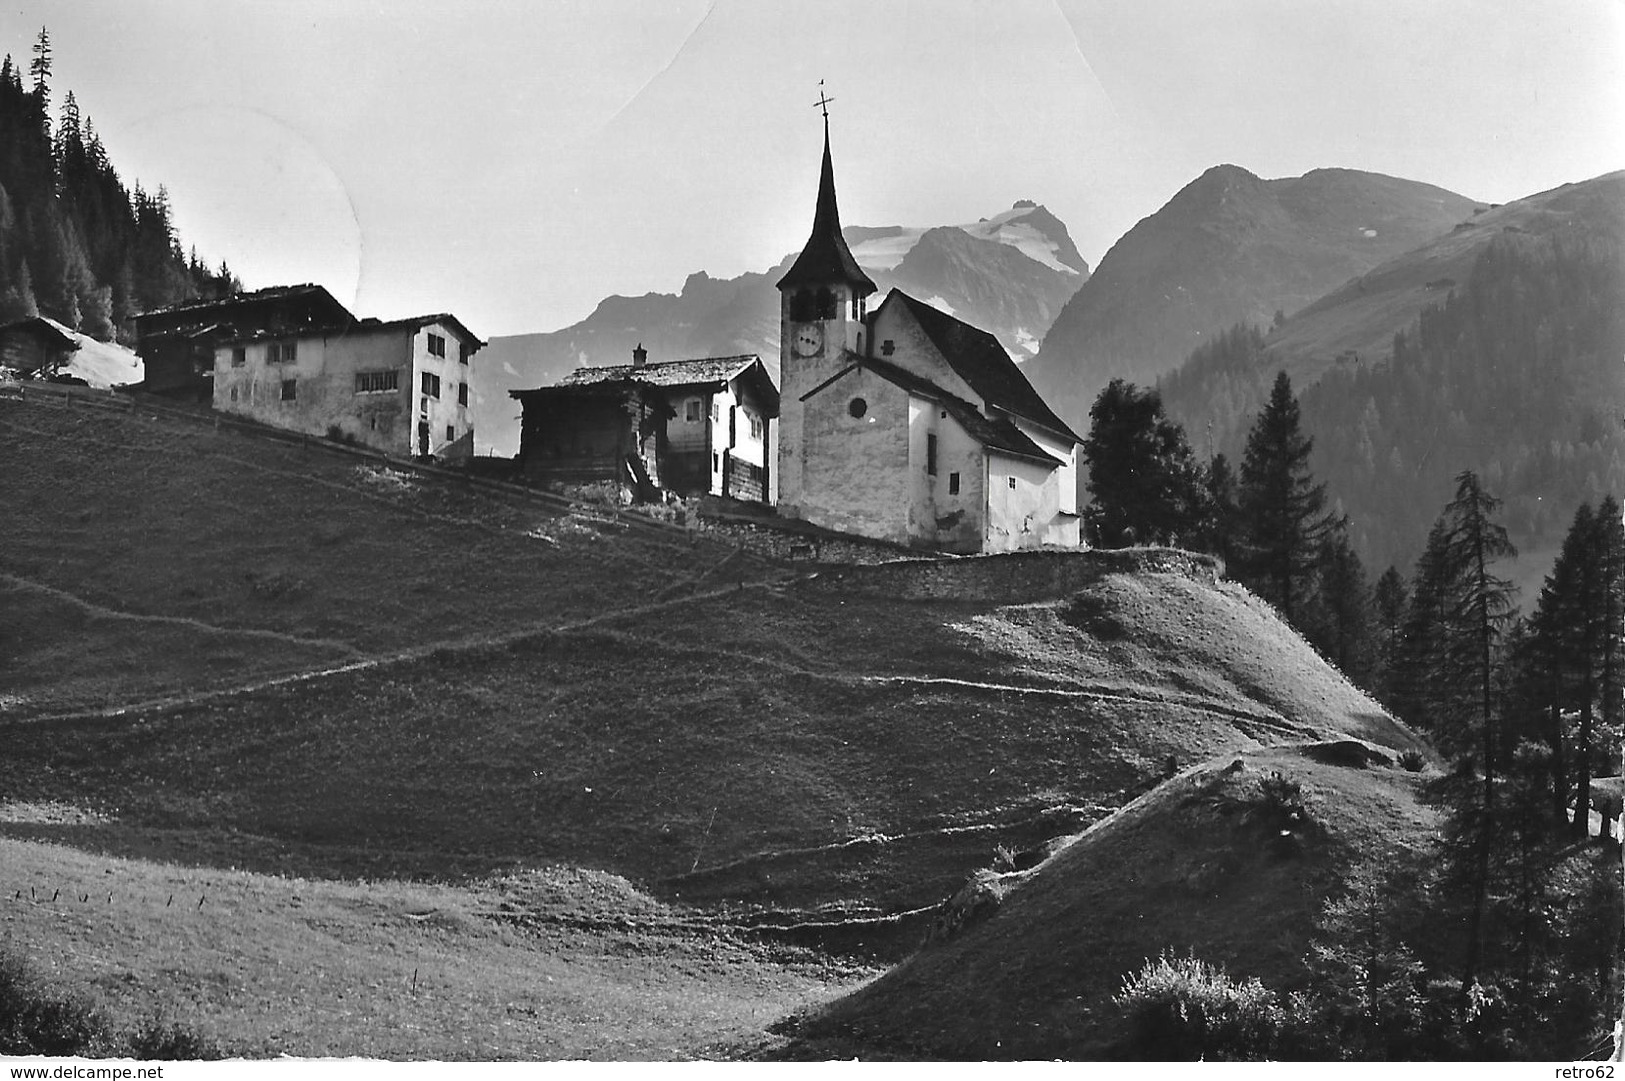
1014	228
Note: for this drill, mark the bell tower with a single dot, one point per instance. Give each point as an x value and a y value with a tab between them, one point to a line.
822	301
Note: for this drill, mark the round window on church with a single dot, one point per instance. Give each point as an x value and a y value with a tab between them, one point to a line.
858	407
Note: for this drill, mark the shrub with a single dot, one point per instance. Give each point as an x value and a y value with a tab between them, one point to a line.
1180	1008
160	1039
1413	761
37	1020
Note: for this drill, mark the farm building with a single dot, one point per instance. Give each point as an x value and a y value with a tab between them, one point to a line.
692	427
36	346
177	344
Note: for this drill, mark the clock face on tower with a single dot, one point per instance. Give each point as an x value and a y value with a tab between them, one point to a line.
808	340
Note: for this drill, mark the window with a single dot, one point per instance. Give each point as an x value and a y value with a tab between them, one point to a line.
1012	481
290	389
716	463
931	454
463	352
462	393
437	345
824	304
691	410
234	394
755	424
281	352
888	347
431	385
857	407
953	483
239	356
377	382
451	433
716	409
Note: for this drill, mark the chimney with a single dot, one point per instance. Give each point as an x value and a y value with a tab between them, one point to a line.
640	356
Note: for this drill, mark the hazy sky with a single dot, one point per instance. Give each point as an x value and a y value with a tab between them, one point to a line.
516	162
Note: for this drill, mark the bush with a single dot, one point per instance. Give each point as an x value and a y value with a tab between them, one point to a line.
1413	761
1180	1008
37	1020
158	1039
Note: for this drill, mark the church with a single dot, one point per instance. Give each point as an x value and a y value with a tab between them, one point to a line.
904	424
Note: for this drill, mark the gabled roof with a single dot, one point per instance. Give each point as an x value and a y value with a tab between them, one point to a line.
418	322
669	373
712	372
257	296
977	357
994	433
46	328
825	259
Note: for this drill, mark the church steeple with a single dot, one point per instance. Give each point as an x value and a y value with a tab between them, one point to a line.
825	259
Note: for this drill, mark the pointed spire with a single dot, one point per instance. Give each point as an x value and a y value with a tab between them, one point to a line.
825	259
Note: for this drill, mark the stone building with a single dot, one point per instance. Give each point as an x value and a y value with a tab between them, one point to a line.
692	427
401	386
905	424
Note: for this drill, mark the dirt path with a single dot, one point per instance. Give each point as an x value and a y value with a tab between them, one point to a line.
101	612
168	703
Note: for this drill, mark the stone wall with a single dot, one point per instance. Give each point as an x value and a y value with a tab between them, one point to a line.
1006	578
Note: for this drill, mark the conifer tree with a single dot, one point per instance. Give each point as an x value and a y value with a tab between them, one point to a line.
1339	612
1145	483
1282	509
1390	599
1475	611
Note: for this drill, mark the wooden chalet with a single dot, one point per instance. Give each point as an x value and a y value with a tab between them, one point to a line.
690	427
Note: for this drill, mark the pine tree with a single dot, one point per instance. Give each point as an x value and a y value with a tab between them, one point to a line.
1145	483
1282	509
1338	616
1390	599
1219	533
1477	609
39	69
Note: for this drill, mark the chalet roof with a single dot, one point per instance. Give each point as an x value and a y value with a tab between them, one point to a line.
995	433
978	358
825	258
257	296
417	322
698	372
46	328
670	373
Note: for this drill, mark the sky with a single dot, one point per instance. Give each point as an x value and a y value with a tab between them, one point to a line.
516	162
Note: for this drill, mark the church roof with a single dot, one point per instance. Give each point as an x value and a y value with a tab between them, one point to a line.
978	358
994	433
825	259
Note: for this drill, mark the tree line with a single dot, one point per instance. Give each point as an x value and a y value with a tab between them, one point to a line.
76	245
1504	941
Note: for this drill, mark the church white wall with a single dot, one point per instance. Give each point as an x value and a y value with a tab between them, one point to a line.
939	516
1063	450
863	482
1022	504
913	352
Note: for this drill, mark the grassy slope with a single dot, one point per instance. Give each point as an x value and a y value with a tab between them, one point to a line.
1183	868
195	559
559	695
552	965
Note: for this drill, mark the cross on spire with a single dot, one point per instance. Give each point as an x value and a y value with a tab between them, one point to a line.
823	102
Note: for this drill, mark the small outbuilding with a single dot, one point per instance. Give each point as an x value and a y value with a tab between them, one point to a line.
36	346
690	427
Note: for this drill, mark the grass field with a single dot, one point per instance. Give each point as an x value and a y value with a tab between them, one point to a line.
266	670
1191	867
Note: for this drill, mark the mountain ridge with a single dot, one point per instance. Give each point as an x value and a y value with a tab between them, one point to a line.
1009	274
